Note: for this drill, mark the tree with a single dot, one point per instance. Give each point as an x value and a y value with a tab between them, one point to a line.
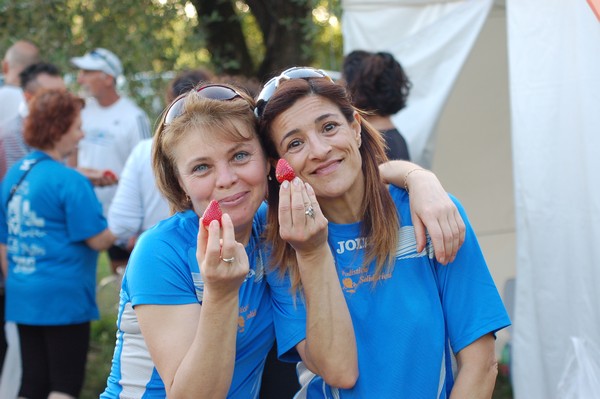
251	38
287	33
282	24
287	30
138	33
145	35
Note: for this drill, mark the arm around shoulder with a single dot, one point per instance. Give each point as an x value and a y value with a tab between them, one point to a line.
431	208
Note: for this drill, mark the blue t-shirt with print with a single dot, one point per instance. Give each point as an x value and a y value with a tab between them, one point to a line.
412	318
51	270
163	270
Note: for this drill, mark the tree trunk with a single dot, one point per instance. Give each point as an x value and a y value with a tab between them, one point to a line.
224	37
285	25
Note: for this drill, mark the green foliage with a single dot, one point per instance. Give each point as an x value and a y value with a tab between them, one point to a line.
503	388
252	33
327	38
148	35
99	356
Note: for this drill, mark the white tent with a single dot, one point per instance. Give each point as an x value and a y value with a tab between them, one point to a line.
432	40
554	51
553	48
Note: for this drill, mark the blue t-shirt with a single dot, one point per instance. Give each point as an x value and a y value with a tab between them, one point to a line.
409	324
51	270
163	270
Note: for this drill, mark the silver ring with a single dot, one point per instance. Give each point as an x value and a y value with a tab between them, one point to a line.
310	211
228	260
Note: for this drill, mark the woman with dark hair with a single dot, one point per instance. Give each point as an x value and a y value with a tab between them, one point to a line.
379	86
53	228
410	314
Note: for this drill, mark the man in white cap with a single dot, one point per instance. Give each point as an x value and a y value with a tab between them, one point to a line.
112	126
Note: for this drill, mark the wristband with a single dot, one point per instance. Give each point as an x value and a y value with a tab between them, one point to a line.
408	174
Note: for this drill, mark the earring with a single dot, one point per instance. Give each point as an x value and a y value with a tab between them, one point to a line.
269	177
187	198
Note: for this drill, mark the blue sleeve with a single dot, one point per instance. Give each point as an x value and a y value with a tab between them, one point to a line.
472	305
158	272
83	212
289	316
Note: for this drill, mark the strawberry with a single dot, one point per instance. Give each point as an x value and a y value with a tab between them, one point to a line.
212	212
109	174
284	171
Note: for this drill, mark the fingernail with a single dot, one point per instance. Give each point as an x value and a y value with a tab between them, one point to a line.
296	181
285	184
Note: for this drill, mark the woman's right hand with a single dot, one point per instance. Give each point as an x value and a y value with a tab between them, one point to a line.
223	261
306	231
193	345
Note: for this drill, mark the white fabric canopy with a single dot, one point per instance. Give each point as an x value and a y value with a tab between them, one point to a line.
431	39
554	53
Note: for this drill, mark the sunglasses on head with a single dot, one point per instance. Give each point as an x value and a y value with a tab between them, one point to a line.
211	92
292	73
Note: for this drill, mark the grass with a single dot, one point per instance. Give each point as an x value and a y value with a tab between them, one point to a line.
102	338
103	344
503	388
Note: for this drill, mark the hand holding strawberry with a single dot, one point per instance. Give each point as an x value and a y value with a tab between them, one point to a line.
284	171
110	175
99	177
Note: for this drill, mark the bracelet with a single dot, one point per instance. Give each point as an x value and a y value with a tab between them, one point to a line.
408	174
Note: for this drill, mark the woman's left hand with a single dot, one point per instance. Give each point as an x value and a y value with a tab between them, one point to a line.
433	211
301	221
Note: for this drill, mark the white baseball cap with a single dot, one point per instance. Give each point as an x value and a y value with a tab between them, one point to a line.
99	59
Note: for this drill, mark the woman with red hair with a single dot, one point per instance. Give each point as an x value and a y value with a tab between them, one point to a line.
52	225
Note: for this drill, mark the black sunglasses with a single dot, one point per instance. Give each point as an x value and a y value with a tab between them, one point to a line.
211	92
292	73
